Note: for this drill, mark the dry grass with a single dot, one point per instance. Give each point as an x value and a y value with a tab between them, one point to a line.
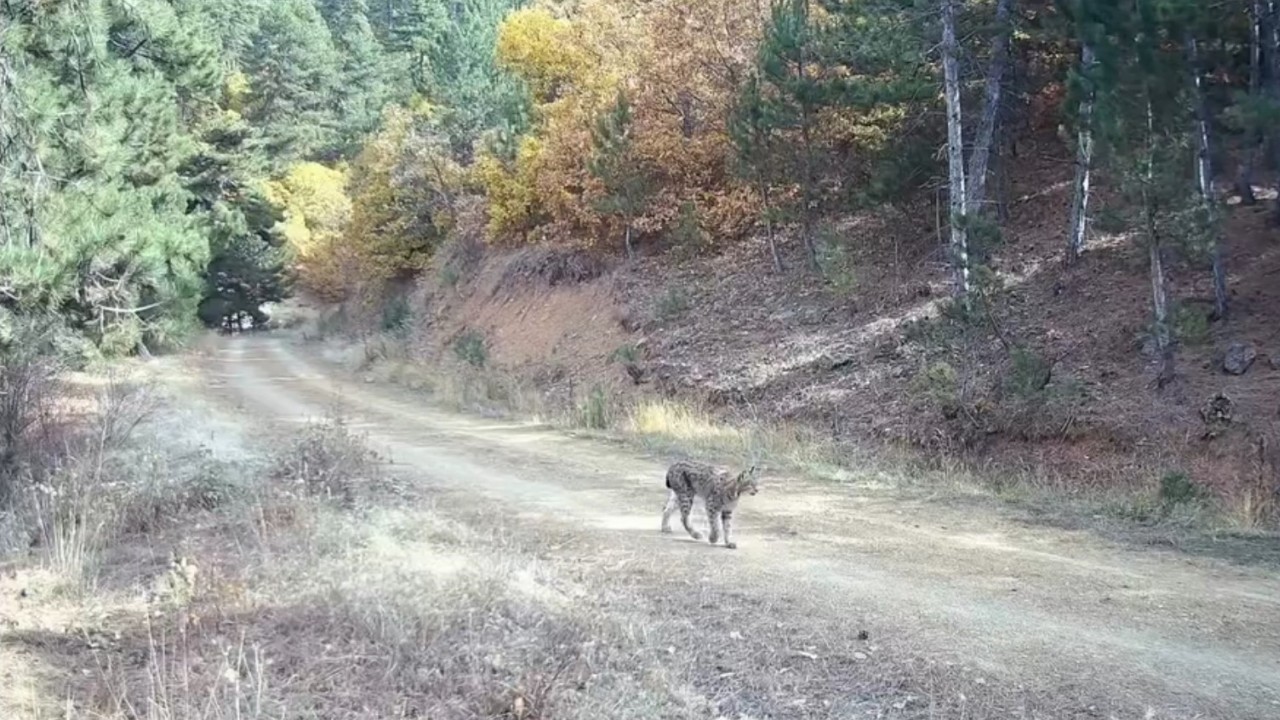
277	601
1121	501
281	602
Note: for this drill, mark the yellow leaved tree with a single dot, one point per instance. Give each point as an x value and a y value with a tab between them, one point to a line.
680	64
402	186
573	64
316	211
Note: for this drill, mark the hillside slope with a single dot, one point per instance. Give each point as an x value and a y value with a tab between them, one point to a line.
858	352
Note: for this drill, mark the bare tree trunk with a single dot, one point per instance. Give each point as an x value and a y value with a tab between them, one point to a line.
1204	178
980	156
1159	293
1160	307
806	118
1273	87
1084	158
1244	182
768	226
955	149
626	239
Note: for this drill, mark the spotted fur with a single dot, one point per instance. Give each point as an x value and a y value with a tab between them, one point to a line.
719	489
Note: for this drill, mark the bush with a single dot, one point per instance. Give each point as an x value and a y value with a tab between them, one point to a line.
1029	374
1177	488
687	237
671	304
470	348
1190	325
835	262
397	316
939	385
594	413
627	354
326	460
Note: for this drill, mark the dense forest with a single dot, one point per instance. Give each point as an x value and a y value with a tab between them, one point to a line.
164	161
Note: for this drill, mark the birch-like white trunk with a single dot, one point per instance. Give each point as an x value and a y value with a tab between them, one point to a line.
1273	84
1159	293
1204	177
1244	181
806	139
955	149
1084	158
980	156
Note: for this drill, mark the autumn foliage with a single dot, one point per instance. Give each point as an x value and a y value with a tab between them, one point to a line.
679	64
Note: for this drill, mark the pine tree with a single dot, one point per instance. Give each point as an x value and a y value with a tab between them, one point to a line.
295	74
613	162
1148	132
367	83
753	129
111	249
786	54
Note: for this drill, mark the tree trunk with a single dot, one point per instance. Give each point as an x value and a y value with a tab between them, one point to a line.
980	156
1244	182
1084	158
1273	87
768	227
955	149
1160	307
1159	294
806	139
626	239
1204	178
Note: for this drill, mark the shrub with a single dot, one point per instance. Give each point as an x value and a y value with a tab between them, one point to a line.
835	262
396	316
671	304
939	384
325	460
1028	375
1177	488
687	237
627	354
470	348
594	413
1190	325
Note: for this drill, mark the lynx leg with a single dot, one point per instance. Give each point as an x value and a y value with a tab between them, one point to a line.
668	511
727	518
713	517
686	506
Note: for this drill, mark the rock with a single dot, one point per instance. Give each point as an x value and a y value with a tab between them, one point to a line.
1239	357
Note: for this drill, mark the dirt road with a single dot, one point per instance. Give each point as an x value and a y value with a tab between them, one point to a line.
849	579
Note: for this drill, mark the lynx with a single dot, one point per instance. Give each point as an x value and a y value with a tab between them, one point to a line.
719	491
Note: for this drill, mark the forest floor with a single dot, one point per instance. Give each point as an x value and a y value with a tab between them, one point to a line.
505	569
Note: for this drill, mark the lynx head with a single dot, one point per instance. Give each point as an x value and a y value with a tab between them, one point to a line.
747	482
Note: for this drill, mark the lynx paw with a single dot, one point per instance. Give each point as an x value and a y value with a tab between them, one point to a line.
731	545
695	535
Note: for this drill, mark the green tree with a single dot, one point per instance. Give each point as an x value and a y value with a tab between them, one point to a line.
787	53
294	72
627	187
753	127
97	99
